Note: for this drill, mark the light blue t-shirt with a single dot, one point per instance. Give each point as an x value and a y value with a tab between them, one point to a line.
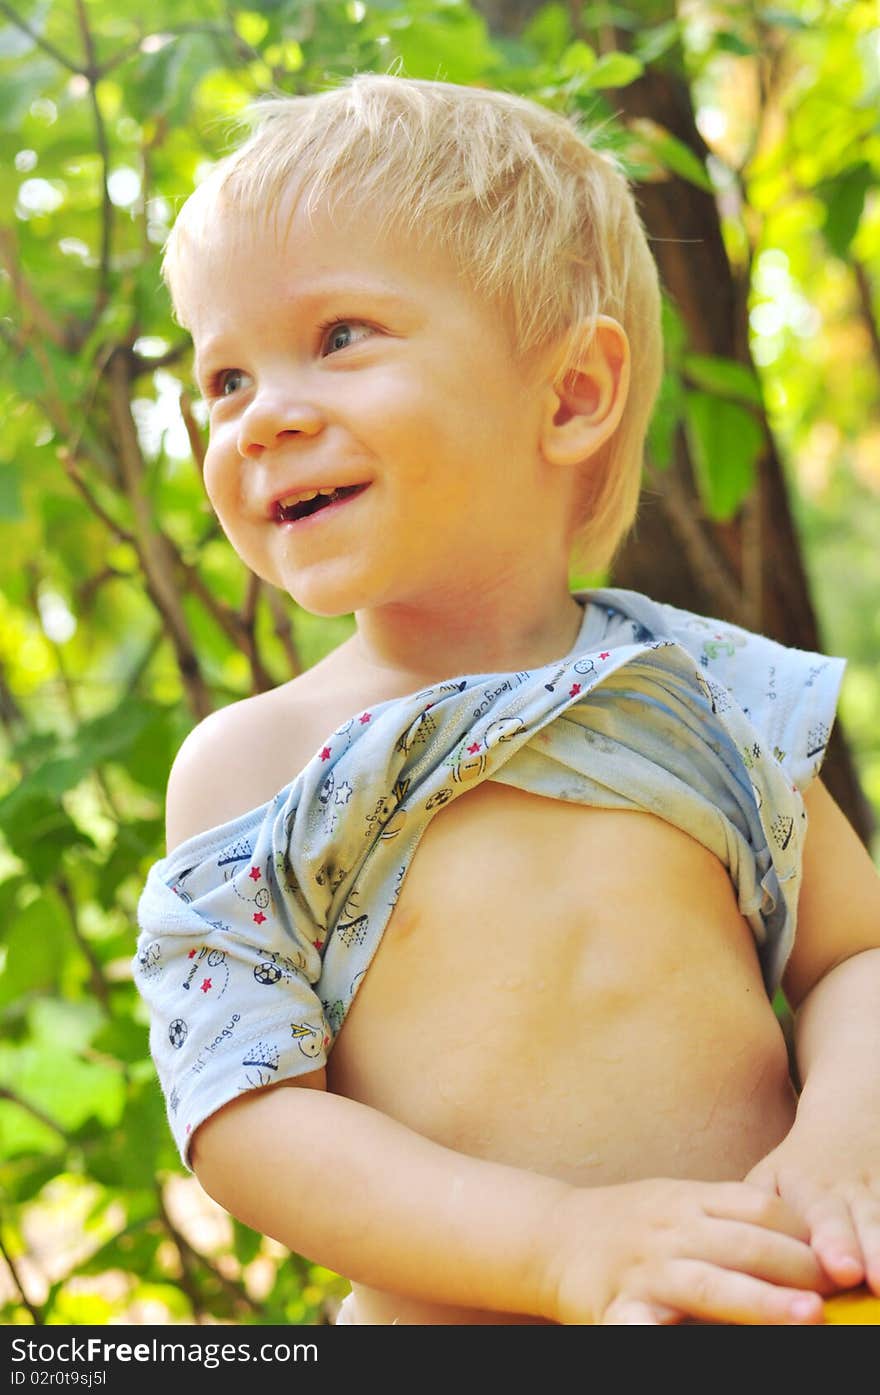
254	936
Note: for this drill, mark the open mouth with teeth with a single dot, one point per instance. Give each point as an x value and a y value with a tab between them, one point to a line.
295	507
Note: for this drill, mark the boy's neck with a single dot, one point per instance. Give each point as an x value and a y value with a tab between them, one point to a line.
501	633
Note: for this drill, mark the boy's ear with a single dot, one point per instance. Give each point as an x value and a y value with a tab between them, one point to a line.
586	407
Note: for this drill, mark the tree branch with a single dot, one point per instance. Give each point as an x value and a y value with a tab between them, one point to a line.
32	1109
77	478
236	627
34	311
76	718
130	50
141	364
133	680
98	982
92	71
284	630
193	431
704	559
261	679
157	557
866	306
35	1311
190	1256
38	39
11	714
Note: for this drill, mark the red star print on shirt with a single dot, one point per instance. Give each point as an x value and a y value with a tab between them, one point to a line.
205	985
259	918
192	954
325	754
365	717
606	655
574	690
474	747
255	874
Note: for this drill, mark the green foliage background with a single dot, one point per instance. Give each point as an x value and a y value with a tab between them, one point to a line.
125	616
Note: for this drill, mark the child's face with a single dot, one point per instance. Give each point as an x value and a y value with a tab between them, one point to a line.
331	360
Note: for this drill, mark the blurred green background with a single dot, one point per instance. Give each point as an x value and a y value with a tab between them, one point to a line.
125	616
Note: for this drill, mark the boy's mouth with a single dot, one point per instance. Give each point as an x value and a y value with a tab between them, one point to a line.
297	506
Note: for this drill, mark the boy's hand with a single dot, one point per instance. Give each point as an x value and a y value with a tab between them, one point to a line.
832	1180
662	1251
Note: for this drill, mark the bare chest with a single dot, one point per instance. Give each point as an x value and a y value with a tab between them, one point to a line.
556	981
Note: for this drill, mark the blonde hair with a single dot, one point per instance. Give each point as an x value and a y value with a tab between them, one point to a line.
532	214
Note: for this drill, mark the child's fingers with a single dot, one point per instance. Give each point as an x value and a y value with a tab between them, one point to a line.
866	1212
737	1201
764	1254
835	1240
626	1312
703	1291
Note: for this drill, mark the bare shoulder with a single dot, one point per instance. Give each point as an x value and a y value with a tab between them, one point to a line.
240	756
220	770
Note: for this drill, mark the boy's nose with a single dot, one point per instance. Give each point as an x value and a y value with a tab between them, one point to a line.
274	415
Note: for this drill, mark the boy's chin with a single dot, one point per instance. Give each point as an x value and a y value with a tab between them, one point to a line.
326	600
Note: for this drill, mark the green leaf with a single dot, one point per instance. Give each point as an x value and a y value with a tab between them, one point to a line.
668	411
725	441
15	42
52	778
143	838
64	1025
246	1242
11	507
39	832
651	44
153	747
112	735
729	42
549	32
115	1162
784	19
671	153
27	1177
615	70
165	81
724	377
21	86
844	200
63	1086
452	42
577	59
22	1134
36	943
24	42
133	1250
123	1038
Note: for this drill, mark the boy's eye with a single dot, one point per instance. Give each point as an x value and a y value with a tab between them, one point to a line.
224	383
227	382
338	334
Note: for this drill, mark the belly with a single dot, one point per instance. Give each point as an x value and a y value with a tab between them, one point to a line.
570	990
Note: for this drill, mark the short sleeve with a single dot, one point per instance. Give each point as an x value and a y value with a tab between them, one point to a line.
227	962
790	696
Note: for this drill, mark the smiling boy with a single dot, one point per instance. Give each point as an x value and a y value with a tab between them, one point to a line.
529	863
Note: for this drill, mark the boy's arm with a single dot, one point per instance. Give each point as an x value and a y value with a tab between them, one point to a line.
371	1199
829	1165
364	1195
